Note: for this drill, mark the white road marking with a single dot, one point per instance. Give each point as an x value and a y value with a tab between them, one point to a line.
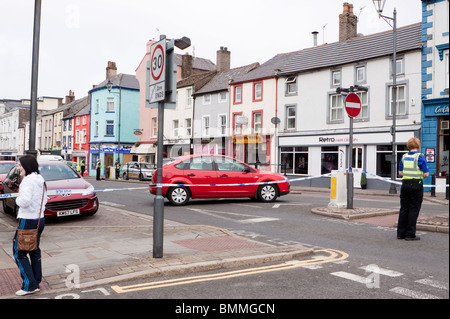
412	294
433	283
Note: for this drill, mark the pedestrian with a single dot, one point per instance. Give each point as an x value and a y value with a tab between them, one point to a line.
98	167
31	201
117	166
83	167
413	168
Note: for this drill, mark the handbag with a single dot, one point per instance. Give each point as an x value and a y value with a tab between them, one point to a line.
27	239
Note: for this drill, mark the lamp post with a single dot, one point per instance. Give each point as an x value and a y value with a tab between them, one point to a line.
109	86
379	5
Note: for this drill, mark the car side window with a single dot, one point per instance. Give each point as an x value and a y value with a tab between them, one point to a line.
201	163
228	164
14	175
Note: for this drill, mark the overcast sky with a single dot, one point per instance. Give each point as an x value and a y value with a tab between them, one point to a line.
79	37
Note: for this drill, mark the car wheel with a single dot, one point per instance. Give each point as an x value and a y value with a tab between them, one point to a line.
178	196
267	193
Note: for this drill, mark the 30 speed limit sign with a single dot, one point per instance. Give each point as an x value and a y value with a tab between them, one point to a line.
157	71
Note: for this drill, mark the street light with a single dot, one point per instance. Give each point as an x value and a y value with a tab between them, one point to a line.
379	5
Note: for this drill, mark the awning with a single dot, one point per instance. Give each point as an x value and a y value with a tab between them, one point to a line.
144	149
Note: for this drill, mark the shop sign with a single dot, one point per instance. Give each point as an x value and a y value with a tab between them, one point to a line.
247	139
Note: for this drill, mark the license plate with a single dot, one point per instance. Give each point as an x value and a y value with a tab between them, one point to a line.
68	212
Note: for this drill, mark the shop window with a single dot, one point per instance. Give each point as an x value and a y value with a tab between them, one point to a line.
329	159
384	155
294	160
443	142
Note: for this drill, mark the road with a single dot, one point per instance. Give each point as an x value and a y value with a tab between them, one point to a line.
394	268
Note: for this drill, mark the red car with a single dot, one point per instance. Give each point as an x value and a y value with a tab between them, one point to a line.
241	180
5	166
72	195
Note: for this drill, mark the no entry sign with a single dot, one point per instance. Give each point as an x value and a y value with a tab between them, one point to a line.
352	105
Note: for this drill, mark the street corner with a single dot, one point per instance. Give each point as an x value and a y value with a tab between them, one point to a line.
354	213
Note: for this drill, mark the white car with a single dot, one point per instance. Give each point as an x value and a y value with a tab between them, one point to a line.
139	170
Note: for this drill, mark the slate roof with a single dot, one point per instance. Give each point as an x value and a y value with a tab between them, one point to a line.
222	79
197	63
126	81
353	50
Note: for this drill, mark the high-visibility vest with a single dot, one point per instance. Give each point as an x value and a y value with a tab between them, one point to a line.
411	169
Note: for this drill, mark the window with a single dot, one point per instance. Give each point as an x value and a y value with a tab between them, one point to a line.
109	127
222	124
188	125
237	123
291	85
97	106
96	128
84	119
70	125
257	122
336	108
83	136
384	155
294	160
364	114
336	78
205	125
400	100
400	66
361	74
442	146
329	159
109	105
154	126
222	97
257	91
69	139
77	120
230	165
446	71
189	97
175	124
237	94
207	99
290	117
77	136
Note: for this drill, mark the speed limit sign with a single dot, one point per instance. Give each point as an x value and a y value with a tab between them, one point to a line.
157	71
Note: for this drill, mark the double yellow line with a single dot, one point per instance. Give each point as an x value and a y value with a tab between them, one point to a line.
333	256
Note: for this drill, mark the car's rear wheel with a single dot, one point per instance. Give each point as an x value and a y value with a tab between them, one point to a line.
267	193
178	196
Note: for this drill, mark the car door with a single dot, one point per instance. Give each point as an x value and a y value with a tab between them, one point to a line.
11	185
231	171
201	171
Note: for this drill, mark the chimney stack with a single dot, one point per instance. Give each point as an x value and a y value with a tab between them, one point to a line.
70	98
347	23
186	65
315	33
111	70
223	59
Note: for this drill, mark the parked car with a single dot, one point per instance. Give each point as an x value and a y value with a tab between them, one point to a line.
5	166
214	170
58	176
139	170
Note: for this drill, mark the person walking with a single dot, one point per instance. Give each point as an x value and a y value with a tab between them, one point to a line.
98	167
413	168
31	201
83	167
117	166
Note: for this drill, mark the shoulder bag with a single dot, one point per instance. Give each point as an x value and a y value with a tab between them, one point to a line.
27	239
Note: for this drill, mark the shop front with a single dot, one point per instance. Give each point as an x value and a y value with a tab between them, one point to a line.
435	138
253	149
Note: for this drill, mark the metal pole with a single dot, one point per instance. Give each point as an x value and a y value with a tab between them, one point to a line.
34	78
158	206
393	189
350	171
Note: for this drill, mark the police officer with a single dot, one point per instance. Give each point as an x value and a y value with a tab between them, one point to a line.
117	166
83	167
413	168
98	167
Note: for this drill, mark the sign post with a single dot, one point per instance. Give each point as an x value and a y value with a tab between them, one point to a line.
353	108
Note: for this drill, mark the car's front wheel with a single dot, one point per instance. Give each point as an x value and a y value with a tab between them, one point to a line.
267	193
178	196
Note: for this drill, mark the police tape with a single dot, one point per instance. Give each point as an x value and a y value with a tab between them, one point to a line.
67	192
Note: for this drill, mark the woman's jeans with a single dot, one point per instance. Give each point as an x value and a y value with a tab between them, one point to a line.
30	268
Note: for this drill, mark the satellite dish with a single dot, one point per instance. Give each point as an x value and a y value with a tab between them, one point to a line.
275	120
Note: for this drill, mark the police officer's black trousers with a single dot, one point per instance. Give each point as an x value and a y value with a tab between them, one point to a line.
411	197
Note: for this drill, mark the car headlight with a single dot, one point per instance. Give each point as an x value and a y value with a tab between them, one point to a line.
89	190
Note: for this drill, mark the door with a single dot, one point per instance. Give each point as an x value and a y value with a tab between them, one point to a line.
200	171
230	171
357	165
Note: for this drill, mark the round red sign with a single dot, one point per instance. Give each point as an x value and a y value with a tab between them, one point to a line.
352	105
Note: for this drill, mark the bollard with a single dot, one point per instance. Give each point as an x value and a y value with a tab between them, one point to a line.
433	184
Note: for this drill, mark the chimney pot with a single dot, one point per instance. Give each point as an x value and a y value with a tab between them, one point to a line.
347	23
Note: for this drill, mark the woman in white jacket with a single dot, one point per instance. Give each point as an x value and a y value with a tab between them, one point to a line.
32	192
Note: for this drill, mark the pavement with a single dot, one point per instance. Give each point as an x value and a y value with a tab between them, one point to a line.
85	252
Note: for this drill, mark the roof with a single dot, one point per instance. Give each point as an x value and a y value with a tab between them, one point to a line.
125	81
222	79
355	49
197	63
196	80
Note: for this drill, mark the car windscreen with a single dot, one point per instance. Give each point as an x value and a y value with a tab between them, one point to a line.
5	167
54	172
147	166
